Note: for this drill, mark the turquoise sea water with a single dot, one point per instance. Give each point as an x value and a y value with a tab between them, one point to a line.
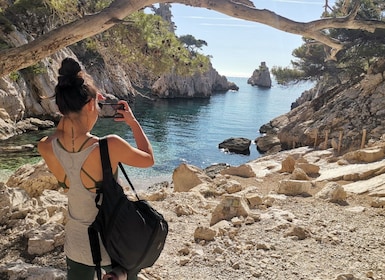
189	130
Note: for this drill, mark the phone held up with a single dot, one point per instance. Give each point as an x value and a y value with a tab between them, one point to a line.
109	110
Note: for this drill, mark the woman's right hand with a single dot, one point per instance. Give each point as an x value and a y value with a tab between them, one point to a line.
128	115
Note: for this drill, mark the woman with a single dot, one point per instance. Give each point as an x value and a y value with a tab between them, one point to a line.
72	154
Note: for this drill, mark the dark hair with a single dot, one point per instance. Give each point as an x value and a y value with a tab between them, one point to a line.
74	89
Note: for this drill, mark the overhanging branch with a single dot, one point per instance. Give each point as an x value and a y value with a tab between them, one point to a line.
47	44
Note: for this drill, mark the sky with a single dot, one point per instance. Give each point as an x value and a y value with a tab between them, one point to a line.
237	46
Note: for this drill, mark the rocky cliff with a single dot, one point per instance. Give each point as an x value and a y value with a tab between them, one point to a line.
197	85
344	116
30	92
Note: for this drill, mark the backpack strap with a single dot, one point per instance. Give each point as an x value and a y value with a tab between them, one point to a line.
93	235
128	180
105	158
92	231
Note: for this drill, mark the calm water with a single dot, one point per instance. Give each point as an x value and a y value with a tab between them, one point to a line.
189	131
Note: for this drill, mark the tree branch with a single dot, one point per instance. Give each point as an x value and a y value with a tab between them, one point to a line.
47	44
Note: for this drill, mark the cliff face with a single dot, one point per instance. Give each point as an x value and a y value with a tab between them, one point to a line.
343	116
30	92
198	85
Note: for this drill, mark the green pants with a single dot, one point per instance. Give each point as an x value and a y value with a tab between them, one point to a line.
76	271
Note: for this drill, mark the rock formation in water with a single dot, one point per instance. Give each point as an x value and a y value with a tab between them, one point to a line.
261	77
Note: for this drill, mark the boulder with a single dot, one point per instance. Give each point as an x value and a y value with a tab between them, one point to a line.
294	187
34	179
243	170
267	142
236	145
332	192
186	177
232	205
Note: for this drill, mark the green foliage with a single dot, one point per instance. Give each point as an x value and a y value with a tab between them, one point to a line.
38	7
192	43
148	44
286	75
14	76
66	9
5	24
37	69
3	45
361	48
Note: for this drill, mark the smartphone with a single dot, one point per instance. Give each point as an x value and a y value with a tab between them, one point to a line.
109	110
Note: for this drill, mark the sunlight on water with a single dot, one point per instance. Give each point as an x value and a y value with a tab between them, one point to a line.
189	130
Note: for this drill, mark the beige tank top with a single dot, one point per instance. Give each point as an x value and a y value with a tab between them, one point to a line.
81	207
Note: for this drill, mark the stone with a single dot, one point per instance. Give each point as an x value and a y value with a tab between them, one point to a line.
308	168
267	142
233	186
236	145
34	179
378	202
204	233
253	200
294	187
365	155
288	164
230	206
299	174
298	232
332	192
186	177
243	170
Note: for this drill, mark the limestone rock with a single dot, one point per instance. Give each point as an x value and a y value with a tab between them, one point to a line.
299	174
298	232
204	233
378	202
229	207
236	145
199	85
33	178
232	186
268	142
243	170
261	77
365	155
186	177
294	187
253	200
332	192
308	168
288	164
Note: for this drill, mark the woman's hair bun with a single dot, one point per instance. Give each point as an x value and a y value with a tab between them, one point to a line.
68	73
69	67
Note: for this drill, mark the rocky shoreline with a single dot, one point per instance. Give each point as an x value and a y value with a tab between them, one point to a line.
299	214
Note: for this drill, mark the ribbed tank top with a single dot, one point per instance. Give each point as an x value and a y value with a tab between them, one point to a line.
81	207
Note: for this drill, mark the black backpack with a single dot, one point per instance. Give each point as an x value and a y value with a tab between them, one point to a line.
132	232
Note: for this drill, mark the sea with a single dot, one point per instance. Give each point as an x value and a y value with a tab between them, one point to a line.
186	130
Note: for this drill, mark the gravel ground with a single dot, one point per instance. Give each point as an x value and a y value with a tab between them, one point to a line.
289	238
